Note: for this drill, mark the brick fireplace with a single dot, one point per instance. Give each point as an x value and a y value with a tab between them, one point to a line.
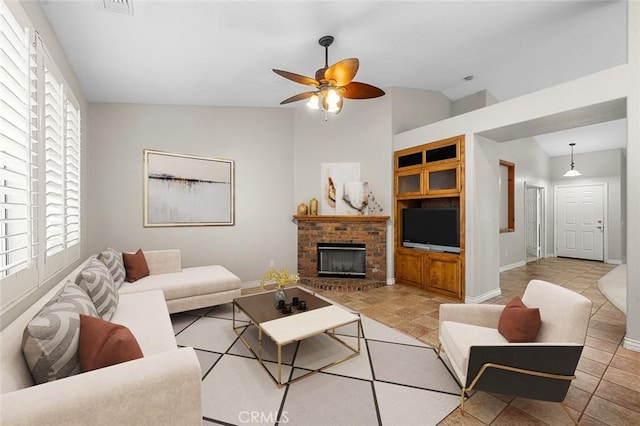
370	231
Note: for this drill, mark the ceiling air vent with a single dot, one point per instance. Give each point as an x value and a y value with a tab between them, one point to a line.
120	6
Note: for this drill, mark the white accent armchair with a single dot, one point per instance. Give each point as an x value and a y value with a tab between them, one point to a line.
482	359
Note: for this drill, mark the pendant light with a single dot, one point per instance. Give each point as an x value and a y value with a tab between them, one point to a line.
572	172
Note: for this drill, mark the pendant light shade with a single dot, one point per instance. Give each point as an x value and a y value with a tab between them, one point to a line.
572	172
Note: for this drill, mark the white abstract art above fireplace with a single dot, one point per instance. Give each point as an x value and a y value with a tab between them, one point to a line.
342	191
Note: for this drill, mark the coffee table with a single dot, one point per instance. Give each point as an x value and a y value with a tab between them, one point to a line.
283	329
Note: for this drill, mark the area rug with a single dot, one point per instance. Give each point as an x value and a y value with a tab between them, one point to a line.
614	287
396	380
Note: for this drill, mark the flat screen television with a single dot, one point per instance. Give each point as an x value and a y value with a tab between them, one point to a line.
433	229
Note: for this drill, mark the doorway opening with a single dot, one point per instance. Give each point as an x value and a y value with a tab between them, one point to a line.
534	213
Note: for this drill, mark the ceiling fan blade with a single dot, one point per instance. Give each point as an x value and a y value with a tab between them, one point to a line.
298	97
341	73
307	81
356	90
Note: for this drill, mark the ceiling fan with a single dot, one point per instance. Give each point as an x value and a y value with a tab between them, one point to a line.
332	83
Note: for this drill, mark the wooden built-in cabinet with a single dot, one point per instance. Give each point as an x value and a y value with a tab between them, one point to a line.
430	175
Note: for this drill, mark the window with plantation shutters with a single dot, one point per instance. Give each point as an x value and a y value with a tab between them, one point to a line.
18	159
40	149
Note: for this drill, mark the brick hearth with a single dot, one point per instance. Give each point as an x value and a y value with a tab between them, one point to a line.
368	230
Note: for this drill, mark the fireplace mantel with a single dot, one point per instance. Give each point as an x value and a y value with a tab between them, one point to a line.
340	218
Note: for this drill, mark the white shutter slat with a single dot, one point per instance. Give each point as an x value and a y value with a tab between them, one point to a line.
16	194
12	29
12	53
14	96
13	156
12	175
13	117
11	138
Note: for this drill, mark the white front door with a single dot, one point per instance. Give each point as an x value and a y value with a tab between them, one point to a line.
580	221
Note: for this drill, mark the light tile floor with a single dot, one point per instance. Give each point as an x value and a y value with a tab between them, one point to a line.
607	388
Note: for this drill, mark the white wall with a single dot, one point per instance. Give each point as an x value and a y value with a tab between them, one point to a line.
259	140
472	102
599	167
623	205
411	108
532	165
361	133
482	204
632	339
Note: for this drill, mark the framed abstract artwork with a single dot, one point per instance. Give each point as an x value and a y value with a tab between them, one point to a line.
186	190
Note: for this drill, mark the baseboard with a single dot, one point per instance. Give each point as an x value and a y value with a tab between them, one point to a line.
483	297
631	344
611	261
512	266
250	284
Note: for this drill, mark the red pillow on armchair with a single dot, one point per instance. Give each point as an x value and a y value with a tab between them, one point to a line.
519	324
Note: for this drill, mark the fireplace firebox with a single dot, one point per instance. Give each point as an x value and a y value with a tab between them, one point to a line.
342	260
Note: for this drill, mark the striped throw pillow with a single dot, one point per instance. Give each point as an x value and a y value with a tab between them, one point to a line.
50	341
97	281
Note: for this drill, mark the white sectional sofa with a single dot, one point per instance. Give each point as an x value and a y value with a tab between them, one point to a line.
185	288
163	387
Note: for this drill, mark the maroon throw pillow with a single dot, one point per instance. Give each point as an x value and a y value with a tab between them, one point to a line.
519	324
102	343
135	265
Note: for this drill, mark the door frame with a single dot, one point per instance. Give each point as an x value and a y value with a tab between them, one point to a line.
543	220
605	215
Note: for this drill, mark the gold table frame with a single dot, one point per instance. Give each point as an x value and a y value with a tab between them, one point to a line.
329	330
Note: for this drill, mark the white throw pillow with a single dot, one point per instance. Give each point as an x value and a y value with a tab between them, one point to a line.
50	340
97	281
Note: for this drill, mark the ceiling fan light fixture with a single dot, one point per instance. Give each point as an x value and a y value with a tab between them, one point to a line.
314	102
572	172
333	101
332	83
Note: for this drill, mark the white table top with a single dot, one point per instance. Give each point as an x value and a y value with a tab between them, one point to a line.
306	324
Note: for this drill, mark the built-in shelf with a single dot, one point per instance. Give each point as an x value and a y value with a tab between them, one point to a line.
341	218
430	175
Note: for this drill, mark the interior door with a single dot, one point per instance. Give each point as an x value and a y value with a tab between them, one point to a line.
533	214
580	222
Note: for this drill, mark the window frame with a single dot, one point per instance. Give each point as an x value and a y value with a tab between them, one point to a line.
38	264
509	190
